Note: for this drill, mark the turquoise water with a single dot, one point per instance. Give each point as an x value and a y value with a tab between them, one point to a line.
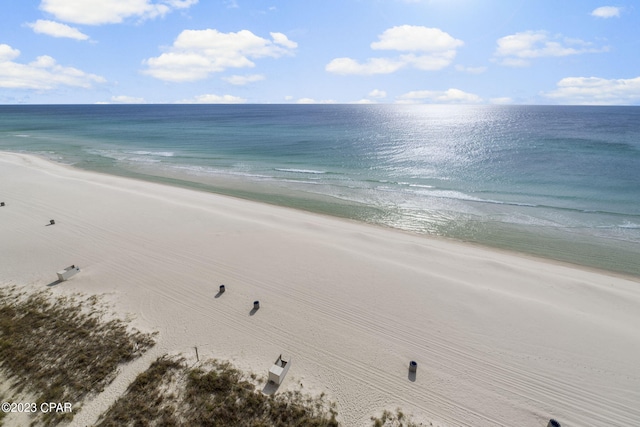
559	182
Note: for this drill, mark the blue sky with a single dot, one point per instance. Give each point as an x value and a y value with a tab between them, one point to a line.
312	51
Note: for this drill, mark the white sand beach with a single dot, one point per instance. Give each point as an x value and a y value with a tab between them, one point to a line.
500	339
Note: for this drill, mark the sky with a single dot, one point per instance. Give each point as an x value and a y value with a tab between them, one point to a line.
575	52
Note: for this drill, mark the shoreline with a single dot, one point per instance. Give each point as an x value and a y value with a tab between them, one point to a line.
500	338
537	247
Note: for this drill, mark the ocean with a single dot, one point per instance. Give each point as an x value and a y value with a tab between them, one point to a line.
561	182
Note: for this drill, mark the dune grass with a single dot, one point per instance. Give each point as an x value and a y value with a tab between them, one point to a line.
215	393
59	349
394	419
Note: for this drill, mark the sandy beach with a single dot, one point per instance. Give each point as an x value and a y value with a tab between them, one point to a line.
500	339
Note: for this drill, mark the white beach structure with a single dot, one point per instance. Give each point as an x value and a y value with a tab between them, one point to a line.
67	273
279	369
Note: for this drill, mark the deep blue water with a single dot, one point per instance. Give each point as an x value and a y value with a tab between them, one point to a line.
556	181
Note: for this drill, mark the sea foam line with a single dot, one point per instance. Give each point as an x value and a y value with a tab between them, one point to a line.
154	153
311	171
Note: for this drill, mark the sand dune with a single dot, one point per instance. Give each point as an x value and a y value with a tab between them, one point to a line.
500	339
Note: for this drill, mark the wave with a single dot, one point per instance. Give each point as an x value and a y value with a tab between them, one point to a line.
457	195
206	170
300	181
153	153
127	155
124	156
630	225
310	171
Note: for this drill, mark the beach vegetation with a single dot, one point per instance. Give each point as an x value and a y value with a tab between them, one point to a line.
61	349
394	419
214	393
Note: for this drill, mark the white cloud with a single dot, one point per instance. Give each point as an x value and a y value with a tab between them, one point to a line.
606	12
410	38
430	49
597	91
448	96
372	66
56	29
517	49
197	53
281	39
181	4
7	53
124	99
97	12
377	93
214	99
43	73
243	80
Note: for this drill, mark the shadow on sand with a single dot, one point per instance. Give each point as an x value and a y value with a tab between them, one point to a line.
270	388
